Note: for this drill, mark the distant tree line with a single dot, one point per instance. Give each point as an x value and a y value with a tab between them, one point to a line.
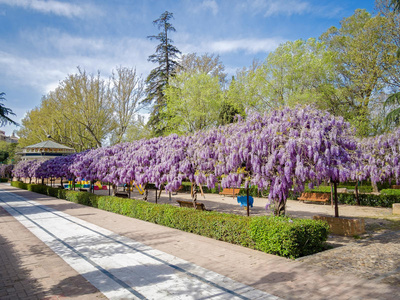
351	71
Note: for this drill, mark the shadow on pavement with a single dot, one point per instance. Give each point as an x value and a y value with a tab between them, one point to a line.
15	279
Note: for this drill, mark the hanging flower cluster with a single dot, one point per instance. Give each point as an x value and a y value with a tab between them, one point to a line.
380	158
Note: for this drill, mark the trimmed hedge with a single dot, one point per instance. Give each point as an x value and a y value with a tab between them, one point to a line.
370	199
327	189
3	179
276	235
382	200
391	192
20	185
286	237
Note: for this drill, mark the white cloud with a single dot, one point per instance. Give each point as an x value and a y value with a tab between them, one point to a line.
53	7
289	7
210	5
277	7
249	46
60	55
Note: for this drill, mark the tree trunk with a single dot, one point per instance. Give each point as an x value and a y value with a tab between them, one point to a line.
356	192
159	194
248	202
193	193
279	208
336	200
114	187
374	187
146	192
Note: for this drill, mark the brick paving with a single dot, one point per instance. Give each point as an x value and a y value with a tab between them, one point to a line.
29	266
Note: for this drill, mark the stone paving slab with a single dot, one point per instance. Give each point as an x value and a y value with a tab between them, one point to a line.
275	275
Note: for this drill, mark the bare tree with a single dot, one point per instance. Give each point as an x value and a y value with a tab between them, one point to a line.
127	93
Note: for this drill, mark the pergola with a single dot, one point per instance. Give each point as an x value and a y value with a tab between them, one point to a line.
45	150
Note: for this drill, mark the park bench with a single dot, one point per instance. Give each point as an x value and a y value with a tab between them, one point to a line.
318	197
230	192
199	206
122	194
396	187
82	190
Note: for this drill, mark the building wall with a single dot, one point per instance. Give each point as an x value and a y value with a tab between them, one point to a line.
8	139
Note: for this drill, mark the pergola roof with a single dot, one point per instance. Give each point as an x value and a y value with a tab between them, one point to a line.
48	145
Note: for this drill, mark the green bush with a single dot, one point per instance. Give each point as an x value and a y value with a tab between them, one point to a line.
46	190
19	184
3	179
390	192
288	237
327	189
282	236
371	200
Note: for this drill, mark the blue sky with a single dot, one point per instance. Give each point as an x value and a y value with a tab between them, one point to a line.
42	41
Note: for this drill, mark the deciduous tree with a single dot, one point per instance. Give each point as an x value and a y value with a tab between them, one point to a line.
193	103
127	92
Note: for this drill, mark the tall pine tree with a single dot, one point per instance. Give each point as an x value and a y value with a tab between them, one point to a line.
166	57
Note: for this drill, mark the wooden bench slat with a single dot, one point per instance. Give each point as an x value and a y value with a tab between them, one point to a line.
318	197
199	206
122	194
229	192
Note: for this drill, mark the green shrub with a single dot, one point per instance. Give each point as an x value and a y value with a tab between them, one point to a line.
288	237
83	198
41	189
347	199
285	237
19	184
370	199
281	236
3	179
327	189
390	192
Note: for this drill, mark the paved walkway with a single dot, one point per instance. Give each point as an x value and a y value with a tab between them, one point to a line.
127	258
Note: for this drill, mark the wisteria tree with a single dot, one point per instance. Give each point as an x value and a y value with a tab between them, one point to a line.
381	157
277	152
6	171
